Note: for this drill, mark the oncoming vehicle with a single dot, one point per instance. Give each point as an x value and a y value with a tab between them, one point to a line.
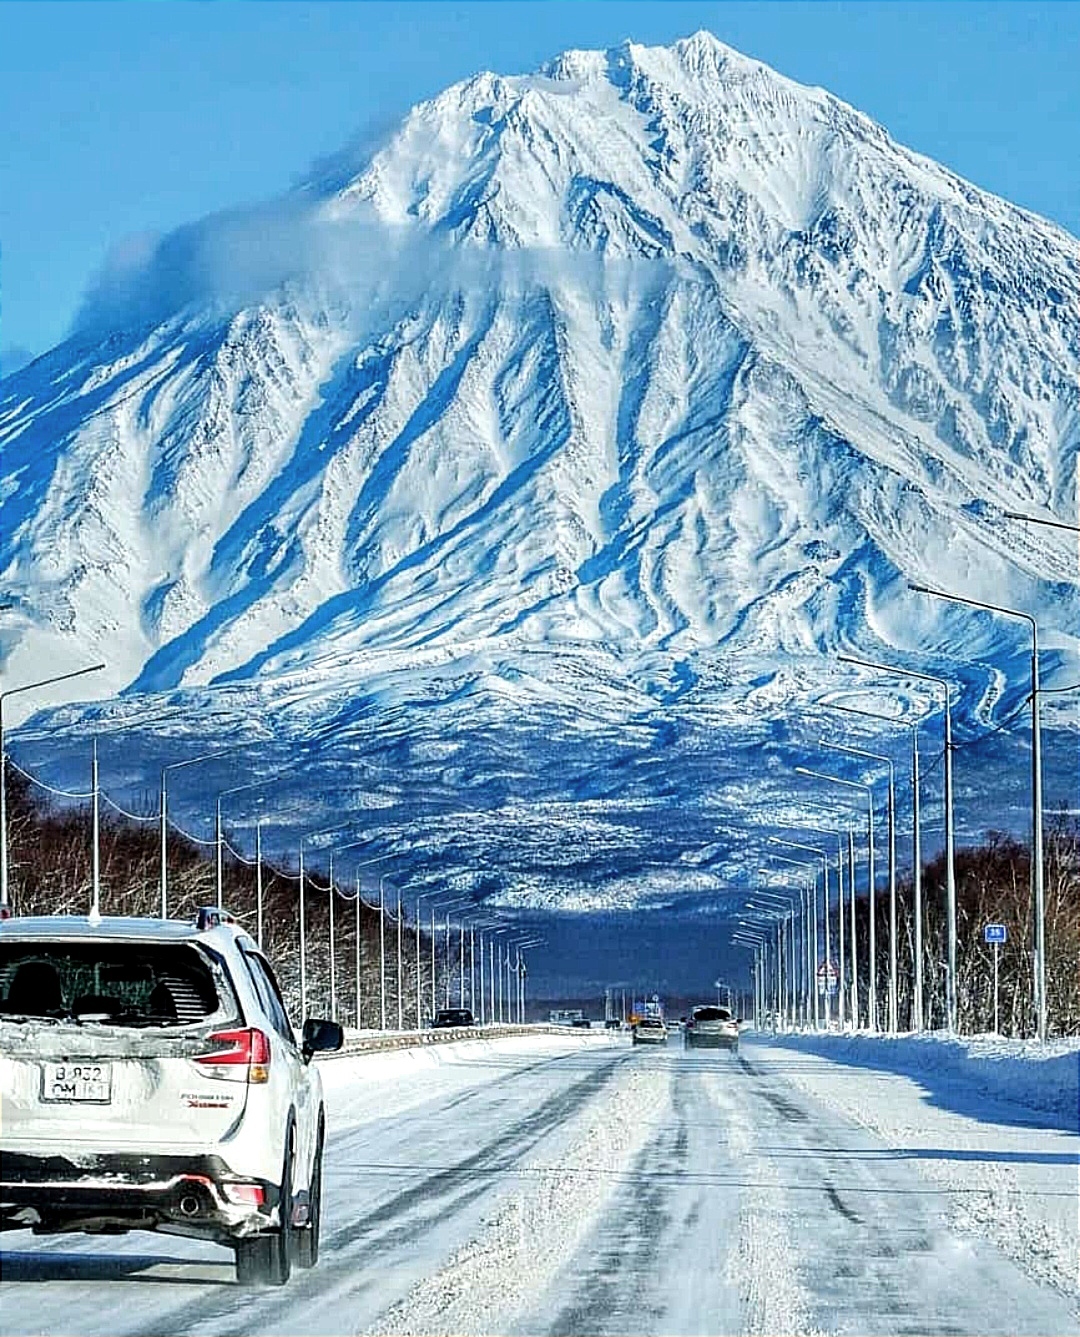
712	1026
649	1031
150	1080
453	1016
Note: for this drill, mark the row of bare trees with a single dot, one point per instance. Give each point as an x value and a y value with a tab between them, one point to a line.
49	850
992	886
50	865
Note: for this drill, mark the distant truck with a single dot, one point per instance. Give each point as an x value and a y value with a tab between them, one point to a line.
567	1016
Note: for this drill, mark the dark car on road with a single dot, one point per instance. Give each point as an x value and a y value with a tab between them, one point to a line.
453	1016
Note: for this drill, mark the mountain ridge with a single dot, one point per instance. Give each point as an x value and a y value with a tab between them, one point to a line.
651	357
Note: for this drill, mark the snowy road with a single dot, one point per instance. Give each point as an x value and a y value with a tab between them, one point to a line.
577	1185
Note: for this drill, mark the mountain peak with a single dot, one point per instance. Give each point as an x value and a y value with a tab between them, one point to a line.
680	372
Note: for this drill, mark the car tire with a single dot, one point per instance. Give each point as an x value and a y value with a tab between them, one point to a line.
307	1239
266	1259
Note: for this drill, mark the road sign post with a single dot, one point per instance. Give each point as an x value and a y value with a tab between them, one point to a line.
995	934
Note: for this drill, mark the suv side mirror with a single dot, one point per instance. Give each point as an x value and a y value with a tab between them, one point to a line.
321	1037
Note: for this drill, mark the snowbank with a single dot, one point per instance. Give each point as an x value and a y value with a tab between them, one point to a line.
1023	1072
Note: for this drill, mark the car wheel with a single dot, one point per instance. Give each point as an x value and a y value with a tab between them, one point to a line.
266	1259
307	1239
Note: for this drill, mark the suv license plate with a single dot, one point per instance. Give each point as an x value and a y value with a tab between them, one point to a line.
77	1082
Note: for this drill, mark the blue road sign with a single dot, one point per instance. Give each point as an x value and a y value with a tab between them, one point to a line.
995	933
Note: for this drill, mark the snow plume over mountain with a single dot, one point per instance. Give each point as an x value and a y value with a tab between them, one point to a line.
530	469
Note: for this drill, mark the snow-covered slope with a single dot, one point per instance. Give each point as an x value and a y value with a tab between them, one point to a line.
633	389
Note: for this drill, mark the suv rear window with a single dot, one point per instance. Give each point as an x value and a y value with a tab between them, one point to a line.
454	1016
711	1014
119	983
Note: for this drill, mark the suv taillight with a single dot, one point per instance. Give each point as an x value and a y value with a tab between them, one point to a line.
241	1056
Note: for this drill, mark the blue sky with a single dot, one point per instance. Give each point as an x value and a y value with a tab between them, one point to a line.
119	119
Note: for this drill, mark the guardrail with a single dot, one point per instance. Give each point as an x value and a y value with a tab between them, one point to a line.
365	1044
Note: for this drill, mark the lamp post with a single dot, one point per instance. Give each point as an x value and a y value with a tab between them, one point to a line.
359	901
434	963
891	818
916	849
446	908
787	906
341	849
1036	794
800	958
752	945
419	1005
812	849
400	971
164	813
5	904
807	888
315	835
219	838
521	947
495	933
753	925
950	864
868	791
382	954
480	1014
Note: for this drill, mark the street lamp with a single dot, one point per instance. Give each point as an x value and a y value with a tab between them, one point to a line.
5	906
812	849
800	956
1036	792
787	905
352	845
315	835
522	946
455	904
752	926
219	839
359	901
891	817
950	865
164	813
752	945
868	791
487	1008
916	845
807	889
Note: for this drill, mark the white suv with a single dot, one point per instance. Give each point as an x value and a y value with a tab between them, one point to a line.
150	1080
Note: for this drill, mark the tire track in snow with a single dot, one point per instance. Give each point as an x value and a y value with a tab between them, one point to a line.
489	1283
352	1255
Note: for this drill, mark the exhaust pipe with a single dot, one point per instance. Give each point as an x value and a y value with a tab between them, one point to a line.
189	1205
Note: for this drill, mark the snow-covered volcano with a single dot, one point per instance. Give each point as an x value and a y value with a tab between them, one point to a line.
544	457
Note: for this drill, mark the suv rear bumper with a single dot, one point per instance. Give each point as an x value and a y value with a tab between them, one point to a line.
186	1195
